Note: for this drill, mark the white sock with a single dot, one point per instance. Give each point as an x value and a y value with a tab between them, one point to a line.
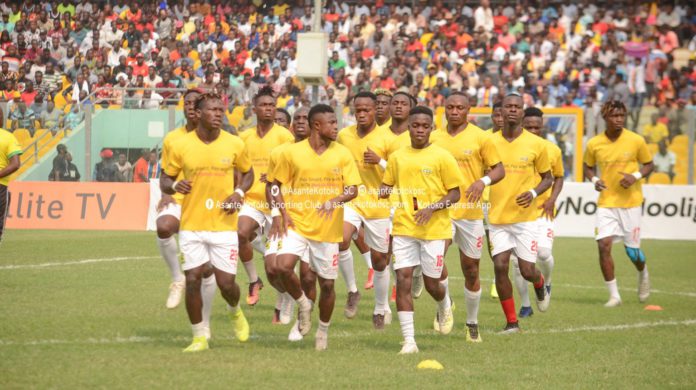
208	288
407	330
198	329
323	327
445	303
473	299
381	283
521	284
345	264
258	244
367	256
304	302
545	263
279	300
445	284
644	272
233	309
251	271
613	288
170	254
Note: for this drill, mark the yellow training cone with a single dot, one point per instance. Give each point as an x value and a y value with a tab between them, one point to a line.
430	365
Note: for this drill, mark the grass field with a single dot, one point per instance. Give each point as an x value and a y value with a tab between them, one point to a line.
86	309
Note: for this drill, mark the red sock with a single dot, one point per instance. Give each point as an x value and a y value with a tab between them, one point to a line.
509	309
540	284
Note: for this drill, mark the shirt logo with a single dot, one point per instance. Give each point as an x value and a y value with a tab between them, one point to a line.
336	171
225	160
427	171
524	158
468	152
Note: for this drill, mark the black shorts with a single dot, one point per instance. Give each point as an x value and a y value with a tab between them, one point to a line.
4	207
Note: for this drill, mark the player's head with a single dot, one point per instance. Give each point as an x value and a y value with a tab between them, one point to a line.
614	114
365	104
457	108
533	120
282	117
322	122
382	103
512	110
401	104
497	116
190	98
264	105
420	125
300	125
209	110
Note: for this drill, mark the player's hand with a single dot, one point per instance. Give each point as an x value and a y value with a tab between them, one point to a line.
524	199
233	203
473	193
371	157
600	186
278	228
326	209
423	216
262	179
287	222
547	209
628	180
164	201
183	186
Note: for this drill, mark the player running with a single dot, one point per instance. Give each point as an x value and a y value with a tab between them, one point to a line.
206	159
10	152
368	144
475	153
311	181
619	154
546	202
255	218
426	180
513	222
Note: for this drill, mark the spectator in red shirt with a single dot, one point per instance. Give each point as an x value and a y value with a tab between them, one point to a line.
29	93
140	167
140	68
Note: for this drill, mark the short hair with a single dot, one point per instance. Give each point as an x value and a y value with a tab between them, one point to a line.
612	105
498	104
285	112
205	97
365	94
421	110
192	90
383	91
264	91
319	109
411	99
533	112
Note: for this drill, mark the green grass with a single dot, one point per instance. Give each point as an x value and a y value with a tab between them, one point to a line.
104	324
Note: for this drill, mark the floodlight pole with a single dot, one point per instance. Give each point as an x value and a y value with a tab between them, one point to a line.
316	27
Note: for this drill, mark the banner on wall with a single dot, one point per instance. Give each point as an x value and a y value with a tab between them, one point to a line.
78	206
669	212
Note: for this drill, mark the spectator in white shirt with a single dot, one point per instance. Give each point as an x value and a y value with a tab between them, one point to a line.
664	159
483	16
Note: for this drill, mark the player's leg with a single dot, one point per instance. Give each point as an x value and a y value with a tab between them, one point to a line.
4	207
545	260
522	287
489	247
607	227
432	259
351	224
367	256
323	259
248	223
630	222
208	289
377	238
406	252
469	238
308	281
293	247
194	249
526	235
503	244
168	225
224	255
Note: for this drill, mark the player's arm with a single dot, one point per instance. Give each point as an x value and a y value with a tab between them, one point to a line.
11	167
371	157
630	178
169	185
525	199
549	205
423	215
591	175
492	176
385	191
235	200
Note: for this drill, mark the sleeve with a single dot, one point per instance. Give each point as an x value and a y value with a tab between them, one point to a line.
450	173
164	158
243	162
389	177
173	168
490	152
557	163
542	160
589	157
13	147
351	177
644	155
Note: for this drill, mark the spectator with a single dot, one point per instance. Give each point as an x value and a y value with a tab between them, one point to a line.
664	159
106	170
23	118
125	169
60	164
140	170
74	118
154	169
655	131
51	118
72	173
151	100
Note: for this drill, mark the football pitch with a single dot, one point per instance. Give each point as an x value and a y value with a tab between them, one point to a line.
86	310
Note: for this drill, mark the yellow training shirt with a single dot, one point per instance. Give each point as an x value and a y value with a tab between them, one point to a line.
260	153
308	180
421	177
524	159
397	142
367	203
611	158
169	140
556	163
210	167
9	147
474	152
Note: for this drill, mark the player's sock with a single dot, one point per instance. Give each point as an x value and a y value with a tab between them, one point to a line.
540	283
473	299
303	302
445	303
170	254
509	310
545	264
233	309
250	269
208	288
345	264
258	244
407	330
445	284
613	288
367	256
323	327
381	283
644	272
198	329
520	284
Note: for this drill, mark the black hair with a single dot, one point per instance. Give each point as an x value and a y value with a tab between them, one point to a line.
365	94
264	91
411	99
533	112
421	110
497	105
319	109
285	112
205	97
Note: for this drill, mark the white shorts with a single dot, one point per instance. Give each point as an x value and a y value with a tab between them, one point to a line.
173	209
468	235
546	232
622	224
263	220
220	248
520	237
412	252
376	229
272	247
323	256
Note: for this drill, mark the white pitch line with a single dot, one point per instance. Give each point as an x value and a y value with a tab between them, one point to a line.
339	334
77	262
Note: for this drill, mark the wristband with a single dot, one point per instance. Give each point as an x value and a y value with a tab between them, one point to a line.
637	175
383	164
174	185
594	179
534	194
275	212
240	192
486	180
